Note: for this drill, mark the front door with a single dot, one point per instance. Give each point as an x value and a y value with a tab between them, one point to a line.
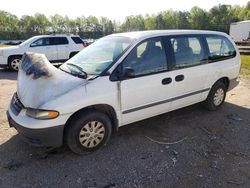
44	46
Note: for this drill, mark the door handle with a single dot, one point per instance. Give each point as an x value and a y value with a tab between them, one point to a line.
166	81
179	78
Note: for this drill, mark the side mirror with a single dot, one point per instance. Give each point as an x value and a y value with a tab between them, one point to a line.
127	72
32	45
122	73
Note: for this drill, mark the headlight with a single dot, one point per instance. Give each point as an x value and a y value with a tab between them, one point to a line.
42	114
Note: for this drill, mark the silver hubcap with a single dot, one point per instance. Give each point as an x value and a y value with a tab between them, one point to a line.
218	97
92	134
15	64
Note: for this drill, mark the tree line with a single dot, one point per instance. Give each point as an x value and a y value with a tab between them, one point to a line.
217	18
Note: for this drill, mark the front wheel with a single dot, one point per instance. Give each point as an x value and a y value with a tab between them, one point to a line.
216	96
88	132
14	63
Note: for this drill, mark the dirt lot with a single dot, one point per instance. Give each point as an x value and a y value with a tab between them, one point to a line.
213	150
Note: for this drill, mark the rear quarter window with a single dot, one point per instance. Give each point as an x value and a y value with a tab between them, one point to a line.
219	48
77	40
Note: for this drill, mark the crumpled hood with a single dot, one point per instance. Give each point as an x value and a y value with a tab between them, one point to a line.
40	82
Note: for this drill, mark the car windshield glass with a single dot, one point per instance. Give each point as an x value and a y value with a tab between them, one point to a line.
94	59
28	41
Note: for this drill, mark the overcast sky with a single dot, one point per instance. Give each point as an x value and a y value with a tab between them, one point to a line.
113	9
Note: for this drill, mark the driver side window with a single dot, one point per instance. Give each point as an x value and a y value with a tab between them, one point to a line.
147	58
41	42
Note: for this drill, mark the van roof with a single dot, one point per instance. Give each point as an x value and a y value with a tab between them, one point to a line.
155	33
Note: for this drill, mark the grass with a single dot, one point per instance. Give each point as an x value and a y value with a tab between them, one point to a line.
245	65
4	45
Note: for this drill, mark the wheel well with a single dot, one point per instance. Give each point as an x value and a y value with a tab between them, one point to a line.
72	54
14	56
106	109
224	80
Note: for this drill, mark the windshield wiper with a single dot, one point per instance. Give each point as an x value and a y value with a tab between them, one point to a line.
80	69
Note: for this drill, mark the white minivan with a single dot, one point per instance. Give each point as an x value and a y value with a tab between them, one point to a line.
120	79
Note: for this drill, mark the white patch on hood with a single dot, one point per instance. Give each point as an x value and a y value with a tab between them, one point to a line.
40	82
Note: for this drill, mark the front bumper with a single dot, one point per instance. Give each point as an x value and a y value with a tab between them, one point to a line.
3	62
3	66
50	136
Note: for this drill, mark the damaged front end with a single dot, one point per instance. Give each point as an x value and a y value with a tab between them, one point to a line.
34	110
40	82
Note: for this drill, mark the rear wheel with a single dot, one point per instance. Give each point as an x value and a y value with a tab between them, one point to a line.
72	54
88	132
216	96
14	63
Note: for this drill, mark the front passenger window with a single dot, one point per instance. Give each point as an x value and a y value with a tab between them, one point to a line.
41	42
147	58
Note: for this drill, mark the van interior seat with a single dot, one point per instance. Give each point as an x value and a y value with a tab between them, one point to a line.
184	55
153	55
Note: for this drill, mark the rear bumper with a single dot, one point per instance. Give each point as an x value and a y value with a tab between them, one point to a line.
232	84
52	136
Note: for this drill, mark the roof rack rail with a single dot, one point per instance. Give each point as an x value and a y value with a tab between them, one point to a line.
54	33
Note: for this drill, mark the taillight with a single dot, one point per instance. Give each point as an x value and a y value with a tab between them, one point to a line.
84	45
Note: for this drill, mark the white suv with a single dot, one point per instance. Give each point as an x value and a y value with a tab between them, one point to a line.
57	48
120	79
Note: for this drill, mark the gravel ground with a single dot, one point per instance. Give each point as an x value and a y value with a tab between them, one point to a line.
190	147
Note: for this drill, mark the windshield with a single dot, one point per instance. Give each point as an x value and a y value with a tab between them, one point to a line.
29	40
97	57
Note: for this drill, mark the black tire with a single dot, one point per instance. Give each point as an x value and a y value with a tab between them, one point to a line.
13	61
72	54
211	103
75	128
